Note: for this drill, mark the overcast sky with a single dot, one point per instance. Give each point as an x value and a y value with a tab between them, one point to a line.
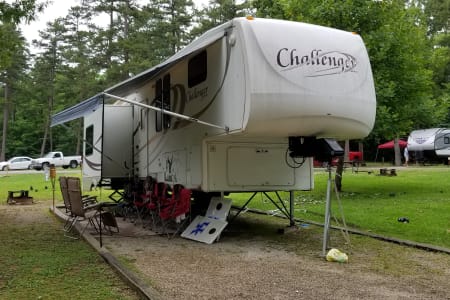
59	8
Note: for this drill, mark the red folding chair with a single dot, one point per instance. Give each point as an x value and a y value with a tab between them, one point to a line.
175	212
159	198
142	199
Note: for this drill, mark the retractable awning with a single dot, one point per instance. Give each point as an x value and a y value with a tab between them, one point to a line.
77	111
89	105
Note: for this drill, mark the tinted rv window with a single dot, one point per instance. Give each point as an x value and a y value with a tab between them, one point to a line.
197	69
89	149
446	140
158	103
162	100
166	100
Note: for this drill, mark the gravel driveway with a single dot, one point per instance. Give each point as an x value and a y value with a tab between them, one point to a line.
253	261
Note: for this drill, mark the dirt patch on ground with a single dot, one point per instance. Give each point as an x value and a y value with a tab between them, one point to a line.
252	261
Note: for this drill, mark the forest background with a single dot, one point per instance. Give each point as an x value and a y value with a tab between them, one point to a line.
408	43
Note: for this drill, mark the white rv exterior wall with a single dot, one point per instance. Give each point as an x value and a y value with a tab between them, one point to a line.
256	89
113	140
92	164
306	80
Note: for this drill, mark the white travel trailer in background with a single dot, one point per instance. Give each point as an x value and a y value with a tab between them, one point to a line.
229	112
426	144
422	139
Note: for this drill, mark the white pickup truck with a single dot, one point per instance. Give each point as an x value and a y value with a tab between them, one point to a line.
56	158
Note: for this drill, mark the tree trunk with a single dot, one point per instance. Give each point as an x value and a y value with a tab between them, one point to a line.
110	34
398	157
5	123
79	130
44	139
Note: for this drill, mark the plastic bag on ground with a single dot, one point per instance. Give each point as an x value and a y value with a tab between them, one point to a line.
337	256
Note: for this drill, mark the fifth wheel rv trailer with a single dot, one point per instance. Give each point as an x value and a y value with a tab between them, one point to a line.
231	111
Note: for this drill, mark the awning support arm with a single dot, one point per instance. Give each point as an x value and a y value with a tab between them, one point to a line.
184	117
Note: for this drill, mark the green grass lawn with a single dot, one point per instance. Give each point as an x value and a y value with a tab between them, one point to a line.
374	203
38	261
37	185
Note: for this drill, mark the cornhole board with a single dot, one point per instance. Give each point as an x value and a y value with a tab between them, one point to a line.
219	208
204	229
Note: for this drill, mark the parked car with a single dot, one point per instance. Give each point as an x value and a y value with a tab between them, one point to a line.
16	163
56	158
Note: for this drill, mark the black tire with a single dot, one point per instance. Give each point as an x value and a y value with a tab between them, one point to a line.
73	164
65	167
5	168
45	165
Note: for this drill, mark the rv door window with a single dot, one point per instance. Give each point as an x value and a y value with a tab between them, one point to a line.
446	140
197	69
89	148
162	100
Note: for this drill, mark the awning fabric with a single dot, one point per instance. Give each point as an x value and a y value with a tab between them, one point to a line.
77	111
390	144
89	105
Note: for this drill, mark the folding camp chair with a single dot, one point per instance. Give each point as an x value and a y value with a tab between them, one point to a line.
125	207
175	211
81	208
142	199
65	196
87	200
64	192
158	199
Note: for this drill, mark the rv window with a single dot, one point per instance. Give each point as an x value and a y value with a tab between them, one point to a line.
446	140
158	103
162	100
89	148
197	69
166	100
